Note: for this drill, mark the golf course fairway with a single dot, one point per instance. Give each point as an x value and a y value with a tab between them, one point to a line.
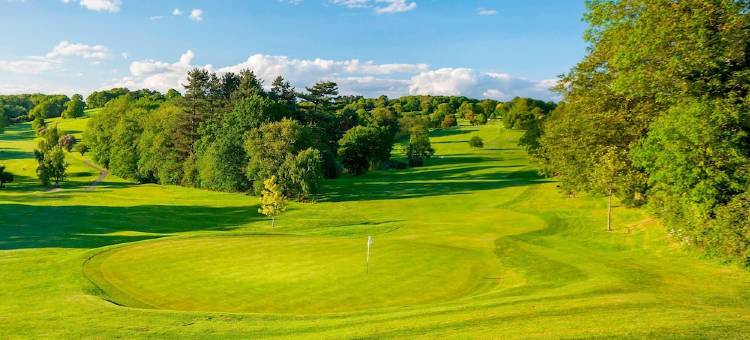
475	244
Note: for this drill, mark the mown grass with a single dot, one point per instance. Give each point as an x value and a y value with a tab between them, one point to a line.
475	244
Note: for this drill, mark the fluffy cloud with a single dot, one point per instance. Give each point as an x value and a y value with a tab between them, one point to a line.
66	49
353	77
196	15
467	82
111	6
157	75
176	12
379	6
394	6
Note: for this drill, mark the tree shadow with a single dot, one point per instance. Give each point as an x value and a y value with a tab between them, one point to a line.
9	154
83	226
448	132
450	175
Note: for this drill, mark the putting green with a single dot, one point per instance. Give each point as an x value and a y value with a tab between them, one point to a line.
285	274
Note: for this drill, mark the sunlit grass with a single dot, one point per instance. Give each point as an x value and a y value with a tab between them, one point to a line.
474	244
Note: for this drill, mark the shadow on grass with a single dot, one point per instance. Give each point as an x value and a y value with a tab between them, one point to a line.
450	175
83	226
9	154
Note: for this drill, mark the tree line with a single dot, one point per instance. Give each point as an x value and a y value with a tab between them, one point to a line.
229	132
656	114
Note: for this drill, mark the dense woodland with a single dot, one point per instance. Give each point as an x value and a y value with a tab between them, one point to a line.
657	115
229	132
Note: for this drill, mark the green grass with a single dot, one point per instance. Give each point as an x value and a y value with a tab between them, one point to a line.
475	244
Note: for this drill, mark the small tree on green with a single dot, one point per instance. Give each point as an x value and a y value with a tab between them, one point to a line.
67	141
5	177
272	202
39	126
610	169
476	142
448	121
81	148
419	147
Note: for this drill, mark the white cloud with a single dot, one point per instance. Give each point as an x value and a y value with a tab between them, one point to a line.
111	6
444	81
378	6
486	11
353	77
66	48
176	12
156	75
156	17
31	65
394	6
196	15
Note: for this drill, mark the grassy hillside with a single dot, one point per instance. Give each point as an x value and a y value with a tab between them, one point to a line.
474	244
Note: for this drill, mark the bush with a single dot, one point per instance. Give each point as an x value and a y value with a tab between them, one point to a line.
476	142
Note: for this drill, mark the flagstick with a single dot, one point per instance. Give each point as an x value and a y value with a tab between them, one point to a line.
369	242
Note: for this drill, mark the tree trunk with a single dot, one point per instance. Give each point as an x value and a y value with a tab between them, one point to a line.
609	212
273	222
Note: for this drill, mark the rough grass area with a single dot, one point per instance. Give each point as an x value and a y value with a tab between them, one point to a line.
475	244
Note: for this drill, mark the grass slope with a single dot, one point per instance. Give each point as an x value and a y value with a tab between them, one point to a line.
474	244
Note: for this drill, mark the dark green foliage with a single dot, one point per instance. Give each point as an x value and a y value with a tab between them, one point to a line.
81	148
419	147
5	177
50	158
67	142
364	147
39	126
448	121
49	107
74	108
98	99
476	142
282	149
665	84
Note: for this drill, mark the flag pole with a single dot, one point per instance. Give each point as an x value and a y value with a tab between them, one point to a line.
367	265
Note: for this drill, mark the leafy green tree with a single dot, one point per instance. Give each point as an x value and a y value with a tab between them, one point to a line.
5	176
81	148
67	141
610	169
364	147
74	108
50	158
419	147
274	149
272	201
321	95
39	126
448	121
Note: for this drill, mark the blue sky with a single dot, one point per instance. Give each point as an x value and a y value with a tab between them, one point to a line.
495	49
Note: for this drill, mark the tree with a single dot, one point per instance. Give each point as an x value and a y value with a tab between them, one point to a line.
476	142
321	95
363	147
272	202
5	177
81	148
448	121
67	141
610	169
39	126
419	147
52	165
268	148
74	108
